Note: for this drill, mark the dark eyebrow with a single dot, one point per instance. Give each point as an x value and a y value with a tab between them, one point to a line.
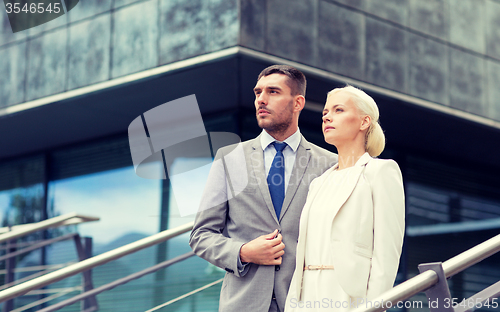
334	106
272	88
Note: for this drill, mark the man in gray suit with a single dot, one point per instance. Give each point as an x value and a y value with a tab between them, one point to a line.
253	234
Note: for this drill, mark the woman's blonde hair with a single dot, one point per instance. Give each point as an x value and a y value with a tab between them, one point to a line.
375	138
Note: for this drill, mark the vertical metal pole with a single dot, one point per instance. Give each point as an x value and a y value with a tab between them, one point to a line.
89	285
85	252
10	265
455	208
162	248
45	216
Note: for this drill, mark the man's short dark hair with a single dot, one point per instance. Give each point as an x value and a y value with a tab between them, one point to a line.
296	79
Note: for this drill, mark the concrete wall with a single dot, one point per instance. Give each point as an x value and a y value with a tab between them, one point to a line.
104	39
445	51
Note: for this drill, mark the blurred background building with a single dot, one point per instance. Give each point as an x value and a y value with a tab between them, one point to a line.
70	88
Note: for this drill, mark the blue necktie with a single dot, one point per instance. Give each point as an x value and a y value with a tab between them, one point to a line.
276	178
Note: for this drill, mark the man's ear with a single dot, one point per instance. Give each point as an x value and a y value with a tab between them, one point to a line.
298	103
366	121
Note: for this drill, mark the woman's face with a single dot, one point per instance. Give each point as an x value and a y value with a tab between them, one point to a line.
342	122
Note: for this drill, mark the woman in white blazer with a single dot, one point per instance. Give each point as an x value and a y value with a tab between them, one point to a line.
352	225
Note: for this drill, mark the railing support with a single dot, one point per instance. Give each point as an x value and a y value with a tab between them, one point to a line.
438	295
429	278
10	265
85	252
116	283
21	289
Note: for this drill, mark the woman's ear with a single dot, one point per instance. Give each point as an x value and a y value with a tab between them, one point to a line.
366	121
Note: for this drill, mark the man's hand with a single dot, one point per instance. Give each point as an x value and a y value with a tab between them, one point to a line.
266	249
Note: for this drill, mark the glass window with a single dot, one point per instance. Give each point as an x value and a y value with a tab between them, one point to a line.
22	200
129	209
125	203
194	272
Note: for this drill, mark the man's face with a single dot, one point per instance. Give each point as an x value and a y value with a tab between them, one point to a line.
273	103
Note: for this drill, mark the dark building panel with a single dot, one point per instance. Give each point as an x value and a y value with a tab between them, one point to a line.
291	29
358	4
6	34
493	29
183	30
85	9
493	72
396	11
467	83
463	31
12	78
89	52
428	67
40	30
135	31
120	3
386	53
223	23
47	64
341	40
253	24
430	17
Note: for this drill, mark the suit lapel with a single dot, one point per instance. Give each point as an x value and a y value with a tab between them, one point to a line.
301	161
346	188
257	160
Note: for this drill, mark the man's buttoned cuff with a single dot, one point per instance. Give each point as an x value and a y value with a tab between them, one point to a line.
243	267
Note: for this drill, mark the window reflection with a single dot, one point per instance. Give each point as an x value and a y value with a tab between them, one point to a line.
125	203
21	205
194	272
22	200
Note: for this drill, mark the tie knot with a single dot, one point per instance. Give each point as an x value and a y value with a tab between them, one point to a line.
279	146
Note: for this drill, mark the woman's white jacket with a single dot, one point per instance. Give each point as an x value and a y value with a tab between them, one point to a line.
367	227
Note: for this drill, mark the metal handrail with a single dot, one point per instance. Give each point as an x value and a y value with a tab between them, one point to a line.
197	290
61	293
427	279
90	263
37	245
25	229
117	283
31	276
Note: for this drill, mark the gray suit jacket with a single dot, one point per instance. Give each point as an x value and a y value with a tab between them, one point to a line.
238	217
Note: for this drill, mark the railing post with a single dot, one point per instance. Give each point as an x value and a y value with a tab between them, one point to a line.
84	252
10	265
438	295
